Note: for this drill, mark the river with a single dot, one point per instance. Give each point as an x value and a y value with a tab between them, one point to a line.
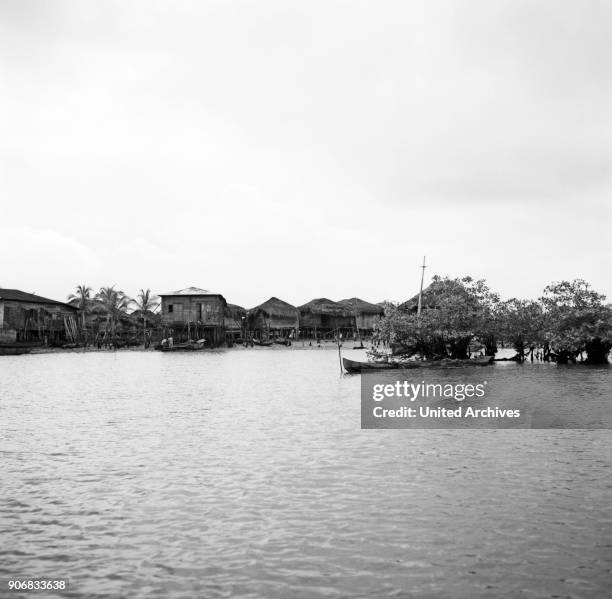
244	473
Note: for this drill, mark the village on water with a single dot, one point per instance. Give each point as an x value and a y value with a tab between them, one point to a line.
190	318
450	321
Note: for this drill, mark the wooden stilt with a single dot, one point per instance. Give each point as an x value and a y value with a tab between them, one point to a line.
339	350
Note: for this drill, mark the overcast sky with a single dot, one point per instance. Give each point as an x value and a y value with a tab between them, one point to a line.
311	149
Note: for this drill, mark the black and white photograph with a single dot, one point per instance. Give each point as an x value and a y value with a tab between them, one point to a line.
305	299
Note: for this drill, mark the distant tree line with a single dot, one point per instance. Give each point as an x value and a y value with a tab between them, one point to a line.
569	322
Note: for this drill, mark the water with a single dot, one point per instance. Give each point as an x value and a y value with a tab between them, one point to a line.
245	473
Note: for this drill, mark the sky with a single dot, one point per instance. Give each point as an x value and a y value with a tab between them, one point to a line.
304	149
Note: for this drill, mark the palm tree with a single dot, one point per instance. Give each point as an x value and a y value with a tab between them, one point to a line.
82	300
115	303
146	302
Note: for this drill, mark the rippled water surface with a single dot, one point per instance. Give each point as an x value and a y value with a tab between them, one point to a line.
246	473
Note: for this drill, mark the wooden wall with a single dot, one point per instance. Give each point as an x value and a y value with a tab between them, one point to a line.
308	320
261	321
367	321
206	309
206	313
32	320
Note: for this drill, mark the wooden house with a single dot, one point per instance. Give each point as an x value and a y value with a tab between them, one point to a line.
194	313
273	318
29	317
365	315
322	317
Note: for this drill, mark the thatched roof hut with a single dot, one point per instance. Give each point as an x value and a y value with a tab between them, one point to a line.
365	314
431	295
411	304
234	316
359	306
322	305
323	313
273	315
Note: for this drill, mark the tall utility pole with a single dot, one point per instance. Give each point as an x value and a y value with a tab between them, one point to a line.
421	290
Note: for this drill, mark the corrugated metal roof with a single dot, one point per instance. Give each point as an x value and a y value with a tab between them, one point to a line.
15	295
190	291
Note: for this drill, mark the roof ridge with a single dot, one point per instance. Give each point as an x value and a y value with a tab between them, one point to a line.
16	295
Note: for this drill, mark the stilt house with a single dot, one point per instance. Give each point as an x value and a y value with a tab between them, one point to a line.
321	318
365	315
273	318
194	313
29	317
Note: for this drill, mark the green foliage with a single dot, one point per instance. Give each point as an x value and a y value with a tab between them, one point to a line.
570	318
454	311
521	323
146	301
115	304
82	297
575	317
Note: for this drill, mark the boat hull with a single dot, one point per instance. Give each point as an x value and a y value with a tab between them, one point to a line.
183	347
14	350
353	366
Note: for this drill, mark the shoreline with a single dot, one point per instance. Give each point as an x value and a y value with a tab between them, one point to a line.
140	348
325	346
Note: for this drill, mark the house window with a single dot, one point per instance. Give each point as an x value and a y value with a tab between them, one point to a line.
170	308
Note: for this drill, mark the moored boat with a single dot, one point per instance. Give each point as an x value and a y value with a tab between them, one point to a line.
262	343
188	346
14	349
353	366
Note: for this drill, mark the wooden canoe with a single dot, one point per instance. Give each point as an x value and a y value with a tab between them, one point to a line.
189	346
354	366
446	363
14	350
